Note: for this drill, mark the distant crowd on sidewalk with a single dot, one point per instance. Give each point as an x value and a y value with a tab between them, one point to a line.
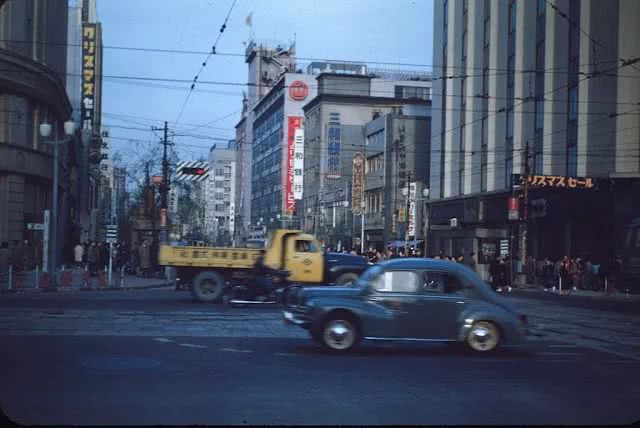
575	273
95	256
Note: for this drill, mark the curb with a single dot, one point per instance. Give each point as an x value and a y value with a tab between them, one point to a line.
79	289
550	294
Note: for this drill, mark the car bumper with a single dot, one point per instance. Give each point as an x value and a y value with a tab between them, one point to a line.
292	318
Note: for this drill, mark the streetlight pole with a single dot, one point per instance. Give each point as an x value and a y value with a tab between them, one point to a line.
425	193
45	132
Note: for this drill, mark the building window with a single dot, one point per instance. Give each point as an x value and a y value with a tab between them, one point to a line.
511	57
413	92
444	95
572	89
539	88
463	99
485	97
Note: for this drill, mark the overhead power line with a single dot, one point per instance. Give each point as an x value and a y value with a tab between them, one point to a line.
204	63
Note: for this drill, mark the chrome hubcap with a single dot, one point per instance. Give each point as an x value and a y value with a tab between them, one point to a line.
483	337
339	334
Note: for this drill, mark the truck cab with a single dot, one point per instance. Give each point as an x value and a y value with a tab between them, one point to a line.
302	256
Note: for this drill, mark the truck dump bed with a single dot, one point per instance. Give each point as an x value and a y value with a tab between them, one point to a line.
236	258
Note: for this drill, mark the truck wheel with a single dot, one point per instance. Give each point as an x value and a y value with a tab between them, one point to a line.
208	287
347	278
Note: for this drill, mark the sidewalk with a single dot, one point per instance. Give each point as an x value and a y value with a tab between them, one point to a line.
532	290
73	281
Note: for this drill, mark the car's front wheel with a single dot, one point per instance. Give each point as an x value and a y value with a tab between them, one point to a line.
483	336
340	333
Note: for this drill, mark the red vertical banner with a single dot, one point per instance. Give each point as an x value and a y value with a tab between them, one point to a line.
294	122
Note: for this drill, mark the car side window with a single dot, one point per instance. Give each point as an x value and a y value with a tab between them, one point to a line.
398	281
440	282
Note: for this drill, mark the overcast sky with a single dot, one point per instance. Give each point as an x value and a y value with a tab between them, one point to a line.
398	31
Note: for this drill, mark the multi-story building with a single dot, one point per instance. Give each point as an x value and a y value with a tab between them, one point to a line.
334	128
266	65
276	119
531	94
397	149
219	194
33	57
89	154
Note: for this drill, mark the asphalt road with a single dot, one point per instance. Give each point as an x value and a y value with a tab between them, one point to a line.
155	357
139	380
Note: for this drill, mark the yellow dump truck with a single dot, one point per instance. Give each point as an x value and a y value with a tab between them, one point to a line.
209	270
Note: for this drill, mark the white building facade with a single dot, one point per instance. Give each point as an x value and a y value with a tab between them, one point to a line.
525	87
219	195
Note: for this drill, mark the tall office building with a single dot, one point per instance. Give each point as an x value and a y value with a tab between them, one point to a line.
523	77
266	65
33	63
335	130
219	191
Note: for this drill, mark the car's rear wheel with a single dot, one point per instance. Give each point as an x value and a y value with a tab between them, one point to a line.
347	278
483	336
340	333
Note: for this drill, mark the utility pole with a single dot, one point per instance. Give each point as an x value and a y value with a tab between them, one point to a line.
525	211
164	189
406	215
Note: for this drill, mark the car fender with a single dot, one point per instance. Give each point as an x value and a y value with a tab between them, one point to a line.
322	307
510	329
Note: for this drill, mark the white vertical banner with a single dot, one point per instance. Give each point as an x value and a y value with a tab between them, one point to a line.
412	210
45	242
298	164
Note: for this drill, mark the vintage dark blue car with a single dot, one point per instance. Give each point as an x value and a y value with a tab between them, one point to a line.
407	299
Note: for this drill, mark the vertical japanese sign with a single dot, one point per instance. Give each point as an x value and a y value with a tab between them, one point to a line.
294	122
298	164
334	142
411	231
358	183
88	74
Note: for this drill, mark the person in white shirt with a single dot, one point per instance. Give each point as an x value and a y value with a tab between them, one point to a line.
78	253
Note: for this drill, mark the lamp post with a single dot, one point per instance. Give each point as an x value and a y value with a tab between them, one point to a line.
45	132
427	218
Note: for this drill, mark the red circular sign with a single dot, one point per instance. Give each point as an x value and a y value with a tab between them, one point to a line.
298	90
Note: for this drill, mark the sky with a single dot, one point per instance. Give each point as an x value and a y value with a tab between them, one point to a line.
398	31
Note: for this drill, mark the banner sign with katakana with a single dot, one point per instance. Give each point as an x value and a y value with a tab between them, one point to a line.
556	181
88	74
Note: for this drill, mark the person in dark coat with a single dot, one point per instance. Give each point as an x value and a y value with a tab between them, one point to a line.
496	274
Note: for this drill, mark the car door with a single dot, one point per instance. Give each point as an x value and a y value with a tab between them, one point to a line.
395	300
304	260
443	301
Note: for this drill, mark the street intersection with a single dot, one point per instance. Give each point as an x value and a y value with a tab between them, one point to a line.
156	357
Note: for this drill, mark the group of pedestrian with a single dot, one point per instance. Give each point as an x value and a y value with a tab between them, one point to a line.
574	273
95	255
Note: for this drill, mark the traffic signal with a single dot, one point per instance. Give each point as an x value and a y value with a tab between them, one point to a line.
193	171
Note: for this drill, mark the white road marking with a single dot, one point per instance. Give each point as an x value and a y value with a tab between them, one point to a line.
235	350
285	354
560	353
163	340
191	345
